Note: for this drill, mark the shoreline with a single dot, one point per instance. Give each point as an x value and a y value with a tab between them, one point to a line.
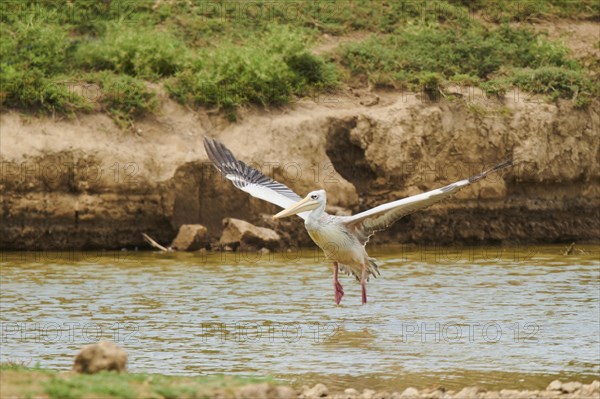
18	381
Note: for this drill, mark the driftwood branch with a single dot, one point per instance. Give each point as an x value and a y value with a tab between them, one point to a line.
156	245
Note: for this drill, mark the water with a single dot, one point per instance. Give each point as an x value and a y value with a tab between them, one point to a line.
494	317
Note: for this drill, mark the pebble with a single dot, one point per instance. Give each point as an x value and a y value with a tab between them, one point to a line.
555	385
555	390
368	394
285	392
253	391
409	392
468	393
570	387
318	391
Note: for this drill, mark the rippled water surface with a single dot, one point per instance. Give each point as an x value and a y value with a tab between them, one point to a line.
495	317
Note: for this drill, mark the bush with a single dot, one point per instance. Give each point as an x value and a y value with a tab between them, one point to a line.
32	68
556	82
495	60
268	72
142	53
474	51
123	97
31	90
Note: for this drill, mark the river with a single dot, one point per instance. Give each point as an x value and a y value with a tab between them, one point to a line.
514	317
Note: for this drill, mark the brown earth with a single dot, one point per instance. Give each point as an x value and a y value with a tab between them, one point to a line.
83	183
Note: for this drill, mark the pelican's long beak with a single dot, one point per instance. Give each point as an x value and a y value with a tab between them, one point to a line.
304	205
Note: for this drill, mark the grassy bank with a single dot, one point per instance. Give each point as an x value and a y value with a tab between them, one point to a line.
228	54
22	382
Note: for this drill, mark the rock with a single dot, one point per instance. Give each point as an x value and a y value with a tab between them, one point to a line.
101	356
509	393
351	393
570	387
491	395
555	385
549	394
253	391
435	394
238	232
368	394
284	392
382	395
528	394
409	392
467	393
318	391
191	237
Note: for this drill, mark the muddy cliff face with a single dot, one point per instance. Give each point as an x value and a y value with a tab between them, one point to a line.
82	183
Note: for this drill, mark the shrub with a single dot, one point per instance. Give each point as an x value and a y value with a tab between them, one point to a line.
556	82
138	52
123	97
268	72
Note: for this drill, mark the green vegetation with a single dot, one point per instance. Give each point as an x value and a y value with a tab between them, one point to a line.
426	56
19	381
230	54
268	71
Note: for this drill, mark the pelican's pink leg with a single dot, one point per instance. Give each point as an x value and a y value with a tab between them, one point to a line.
337	287
363	284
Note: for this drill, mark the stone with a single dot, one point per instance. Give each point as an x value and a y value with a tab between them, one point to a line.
103	356
368	394
351	393
382	395
409	392
491	395
435	394
570	387
253	391
555	385
549	394
528	394
285	392
467	393
191	237
509	393
238	233
318	391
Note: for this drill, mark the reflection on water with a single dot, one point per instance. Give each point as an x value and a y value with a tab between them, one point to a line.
487	316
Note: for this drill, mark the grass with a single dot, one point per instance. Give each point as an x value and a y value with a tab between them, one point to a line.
269	71
229	54
19	381
430	56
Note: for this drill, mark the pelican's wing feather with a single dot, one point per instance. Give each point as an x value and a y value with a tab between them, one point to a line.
249	179
366	223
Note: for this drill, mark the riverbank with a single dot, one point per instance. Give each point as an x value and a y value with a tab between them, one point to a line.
103	150
18	382
84	184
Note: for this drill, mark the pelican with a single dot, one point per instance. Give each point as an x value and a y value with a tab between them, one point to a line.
342	238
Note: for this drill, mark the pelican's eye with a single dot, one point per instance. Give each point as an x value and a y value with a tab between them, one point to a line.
314	196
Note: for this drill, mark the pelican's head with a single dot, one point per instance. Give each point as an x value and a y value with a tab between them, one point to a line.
314	200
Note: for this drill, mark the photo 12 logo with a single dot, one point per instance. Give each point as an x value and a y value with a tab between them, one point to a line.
490	332
67	332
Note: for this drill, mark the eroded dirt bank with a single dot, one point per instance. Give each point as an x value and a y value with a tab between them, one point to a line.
83	183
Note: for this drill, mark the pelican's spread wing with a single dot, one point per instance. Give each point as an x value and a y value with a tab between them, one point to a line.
249	179
366	223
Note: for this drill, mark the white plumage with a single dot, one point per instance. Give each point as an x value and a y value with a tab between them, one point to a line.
342	238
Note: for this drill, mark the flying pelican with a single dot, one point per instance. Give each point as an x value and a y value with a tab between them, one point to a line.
342	238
